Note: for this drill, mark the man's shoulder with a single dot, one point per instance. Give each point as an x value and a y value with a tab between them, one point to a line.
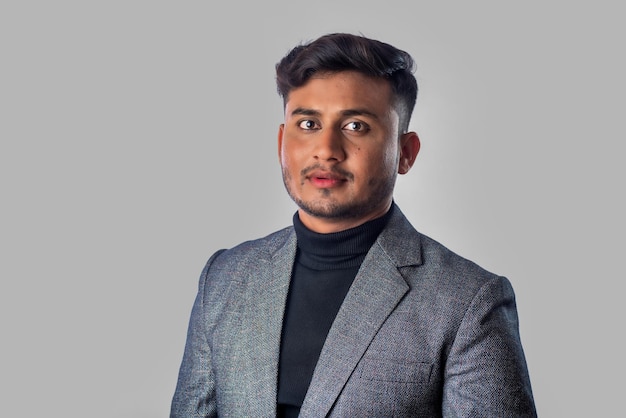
440	256
411	246
453	278
256	249
436	261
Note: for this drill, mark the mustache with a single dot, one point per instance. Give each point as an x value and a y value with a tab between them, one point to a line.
333	170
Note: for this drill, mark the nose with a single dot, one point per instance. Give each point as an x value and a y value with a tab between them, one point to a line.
329	146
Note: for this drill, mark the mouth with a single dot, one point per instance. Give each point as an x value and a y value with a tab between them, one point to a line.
325	179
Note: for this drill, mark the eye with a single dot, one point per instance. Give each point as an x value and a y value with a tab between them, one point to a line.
307	125
356	126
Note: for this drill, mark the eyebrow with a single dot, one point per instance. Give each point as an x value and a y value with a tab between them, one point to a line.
347	112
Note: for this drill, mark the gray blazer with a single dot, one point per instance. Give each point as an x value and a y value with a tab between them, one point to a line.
421	332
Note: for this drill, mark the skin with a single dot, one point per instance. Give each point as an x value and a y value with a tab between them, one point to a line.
340	150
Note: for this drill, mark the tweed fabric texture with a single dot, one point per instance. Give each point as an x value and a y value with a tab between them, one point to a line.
421	332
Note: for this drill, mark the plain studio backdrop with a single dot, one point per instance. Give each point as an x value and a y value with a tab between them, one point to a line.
139	137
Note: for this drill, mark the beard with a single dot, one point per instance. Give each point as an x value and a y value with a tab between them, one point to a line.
377	193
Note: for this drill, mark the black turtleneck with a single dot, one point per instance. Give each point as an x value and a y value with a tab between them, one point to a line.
324	269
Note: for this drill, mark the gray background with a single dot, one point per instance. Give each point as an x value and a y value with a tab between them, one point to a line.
139	137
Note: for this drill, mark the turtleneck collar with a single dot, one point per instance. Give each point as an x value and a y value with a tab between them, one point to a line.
343	249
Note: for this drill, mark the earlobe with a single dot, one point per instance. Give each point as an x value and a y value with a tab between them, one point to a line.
409	148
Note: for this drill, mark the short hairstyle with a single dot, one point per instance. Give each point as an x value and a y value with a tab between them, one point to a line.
338	52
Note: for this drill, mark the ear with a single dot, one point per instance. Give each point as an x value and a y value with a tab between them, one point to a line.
409	148
281	131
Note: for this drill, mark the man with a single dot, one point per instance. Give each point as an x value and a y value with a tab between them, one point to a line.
350	312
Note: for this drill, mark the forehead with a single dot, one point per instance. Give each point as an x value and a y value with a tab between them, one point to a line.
342	90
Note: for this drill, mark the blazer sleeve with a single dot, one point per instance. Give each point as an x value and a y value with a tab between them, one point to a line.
194	396
486	373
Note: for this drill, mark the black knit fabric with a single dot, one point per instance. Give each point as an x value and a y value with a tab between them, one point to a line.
325	266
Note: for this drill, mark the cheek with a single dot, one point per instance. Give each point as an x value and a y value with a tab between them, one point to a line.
285	156
289	151
392	159
384	161
289	164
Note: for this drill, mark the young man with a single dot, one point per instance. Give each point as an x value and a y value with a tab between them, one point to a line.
350	312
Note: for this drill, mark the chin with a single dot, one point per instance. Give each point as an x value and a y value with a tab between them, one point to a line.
333	210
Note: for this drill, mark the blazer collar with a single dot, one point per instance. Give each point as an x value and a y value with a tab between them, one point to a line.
400	241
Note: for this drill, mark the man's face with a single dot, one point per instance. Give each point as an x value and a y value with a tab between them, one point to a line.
340	150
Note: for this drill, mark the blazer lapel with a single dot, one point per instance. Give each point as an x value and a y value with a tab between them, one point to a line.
376	291
259	344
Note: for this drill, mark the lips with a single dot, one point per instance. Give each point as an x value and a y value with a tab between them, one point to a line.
325	179
326	175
